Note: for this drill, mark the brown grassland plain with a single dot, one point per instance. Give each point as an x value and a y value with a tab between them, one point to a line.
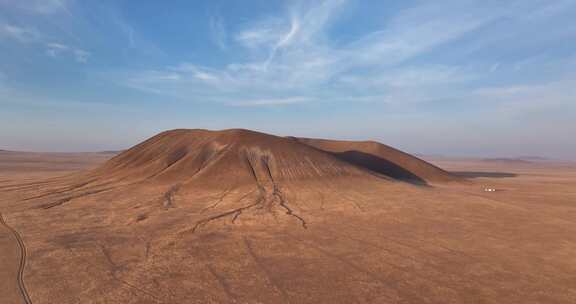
106	236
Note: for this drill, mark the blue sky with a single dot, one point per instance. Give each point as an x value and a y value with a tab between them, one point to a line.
477	78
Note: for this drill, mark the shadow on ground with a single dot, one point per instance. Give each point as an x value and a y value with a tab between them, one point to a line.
474	174
381	166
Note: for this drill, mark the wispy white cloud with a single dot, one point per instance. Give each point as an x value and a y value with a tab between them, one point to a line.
57	49
121	34
416	31
261	36
292	59
293	54
30	36
20	34
126	29
525	25
120	26
410	77
298	37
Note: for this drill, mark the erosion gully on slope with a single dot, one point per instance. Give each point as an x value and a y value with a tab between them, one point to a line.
269	193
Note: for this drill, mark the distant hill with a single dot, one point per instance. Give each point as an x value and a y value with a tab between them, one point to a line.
506	160
533	158
110	152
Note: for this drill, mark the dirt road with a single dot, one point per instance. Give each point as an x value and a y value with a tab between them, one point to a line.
12	263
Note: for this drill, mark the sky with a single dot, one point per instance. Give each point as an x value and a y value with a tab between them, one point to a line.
484	78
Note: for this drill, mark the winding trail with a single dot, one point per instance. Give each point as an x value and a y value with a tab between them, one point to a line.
22	264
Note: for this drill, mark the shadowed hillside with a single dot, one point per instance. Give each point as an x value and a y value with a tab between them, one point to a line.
382	159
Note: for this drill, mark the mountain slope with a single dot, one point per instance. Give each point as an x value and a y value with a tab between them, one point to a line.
382	159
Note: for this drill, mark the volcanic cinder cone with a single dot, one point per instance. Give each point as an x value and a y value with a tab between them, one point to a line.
181	164
236	156
224	158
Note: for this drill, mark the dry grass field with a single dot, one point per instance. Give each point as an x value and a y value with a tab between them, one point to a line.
180	220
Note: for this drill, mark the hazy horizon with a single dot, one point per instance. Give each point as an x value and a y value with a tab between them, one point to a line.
464	154
456	78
